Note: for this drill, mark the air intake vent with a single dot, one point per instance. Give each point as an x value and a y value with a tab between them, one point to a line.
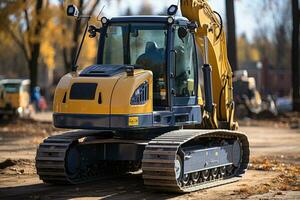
102	70
83	91
140	95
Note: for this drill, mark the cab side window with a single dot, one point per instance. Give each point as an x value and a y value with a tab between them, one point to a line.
185	65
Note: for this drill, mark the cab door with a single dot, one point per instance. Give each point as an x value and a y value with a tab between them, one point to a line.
185	81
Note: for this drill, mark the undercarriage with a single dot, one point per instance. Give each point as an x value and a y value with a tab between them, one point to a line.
177	161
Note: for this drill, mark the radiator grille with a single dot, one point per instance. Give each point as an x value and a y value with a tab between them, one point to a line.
83	91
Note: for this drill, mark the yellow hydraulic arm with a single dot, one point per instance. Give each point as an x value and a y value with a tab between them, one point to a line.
211	41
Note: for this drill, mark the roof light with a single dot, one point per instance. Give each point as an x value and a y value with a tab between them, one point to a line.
72	10
170	20
104	20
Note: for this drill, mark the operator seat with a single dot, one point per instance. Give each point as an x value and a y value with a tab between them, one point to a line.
154	60
151	59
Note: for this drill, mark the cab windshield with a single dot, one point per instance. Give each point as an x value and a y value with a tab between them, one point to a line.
141	45
134	43
11	87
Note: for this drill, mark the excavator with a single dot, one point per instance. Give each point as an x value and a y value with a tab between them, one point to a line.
141	106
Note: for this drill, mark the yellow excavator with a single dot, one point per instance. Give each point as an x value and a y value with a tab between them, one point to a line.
141	105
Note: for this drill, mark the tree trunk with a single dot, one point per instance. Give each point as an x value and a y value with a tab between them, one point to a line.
35	47
67	61
33	75
231	44
295	56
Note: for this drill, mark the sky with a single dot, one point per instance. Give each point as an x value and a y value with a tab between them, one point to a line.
246	12
245	22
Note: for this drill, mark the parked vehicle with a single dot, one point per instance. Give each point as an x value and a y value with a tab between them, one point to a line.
15	97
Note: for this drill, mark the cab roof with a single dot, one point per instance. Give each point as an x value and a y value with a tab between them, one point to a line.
146	18
15	81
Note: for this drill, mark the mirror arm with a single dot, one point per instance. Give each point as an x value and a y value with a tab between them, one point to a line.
74	66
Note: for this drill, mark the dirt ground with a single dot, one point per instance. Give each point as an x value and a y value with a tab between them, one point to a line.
274	172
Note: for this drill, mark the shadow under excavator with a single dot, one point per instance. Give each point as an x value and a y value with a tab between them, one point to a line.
125	187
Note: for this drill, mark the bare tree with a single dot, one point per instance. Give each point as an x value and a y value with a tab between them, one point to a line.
26	30
231	35
295	56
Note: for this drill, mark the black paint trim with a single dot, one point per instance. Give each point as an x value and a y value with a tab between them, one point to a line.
88	121
192	114
83	91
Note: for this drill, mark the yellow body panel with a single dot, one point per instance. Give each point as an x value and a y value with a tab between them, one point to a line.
124	90
13	99
105	86
16	100
116	92
200	98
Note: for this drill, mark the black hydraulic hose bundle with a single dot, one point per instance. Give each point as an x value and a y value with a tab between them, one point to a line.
221	22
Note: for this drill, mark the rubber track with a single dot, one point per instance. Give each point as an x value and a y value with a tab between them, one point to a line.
159	159
51	158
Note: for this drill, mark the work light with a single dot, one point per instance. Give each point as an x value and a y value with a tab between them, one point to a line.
104	20
172	10
72	10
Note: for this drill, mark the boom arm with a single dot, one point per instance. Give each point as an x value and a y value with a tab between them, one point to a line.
211	41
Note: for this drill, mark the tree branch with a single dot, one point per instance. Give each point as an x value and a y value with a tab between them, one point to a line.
26	18
93	7
27	29
19	43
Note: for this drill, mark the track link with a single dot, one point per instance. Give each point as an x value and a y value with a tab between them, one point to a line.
52	160
159	162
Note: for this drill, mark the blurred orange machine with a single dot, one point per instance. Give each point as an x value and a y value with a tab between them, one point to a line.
249	102
15	97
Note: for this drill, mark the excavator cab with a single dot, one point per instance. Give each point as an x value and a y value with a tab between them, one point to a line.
150	60
145	47
158	45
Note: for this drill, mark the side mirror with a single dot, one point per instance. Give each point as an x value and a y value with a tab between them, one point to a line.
72	11
93	31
